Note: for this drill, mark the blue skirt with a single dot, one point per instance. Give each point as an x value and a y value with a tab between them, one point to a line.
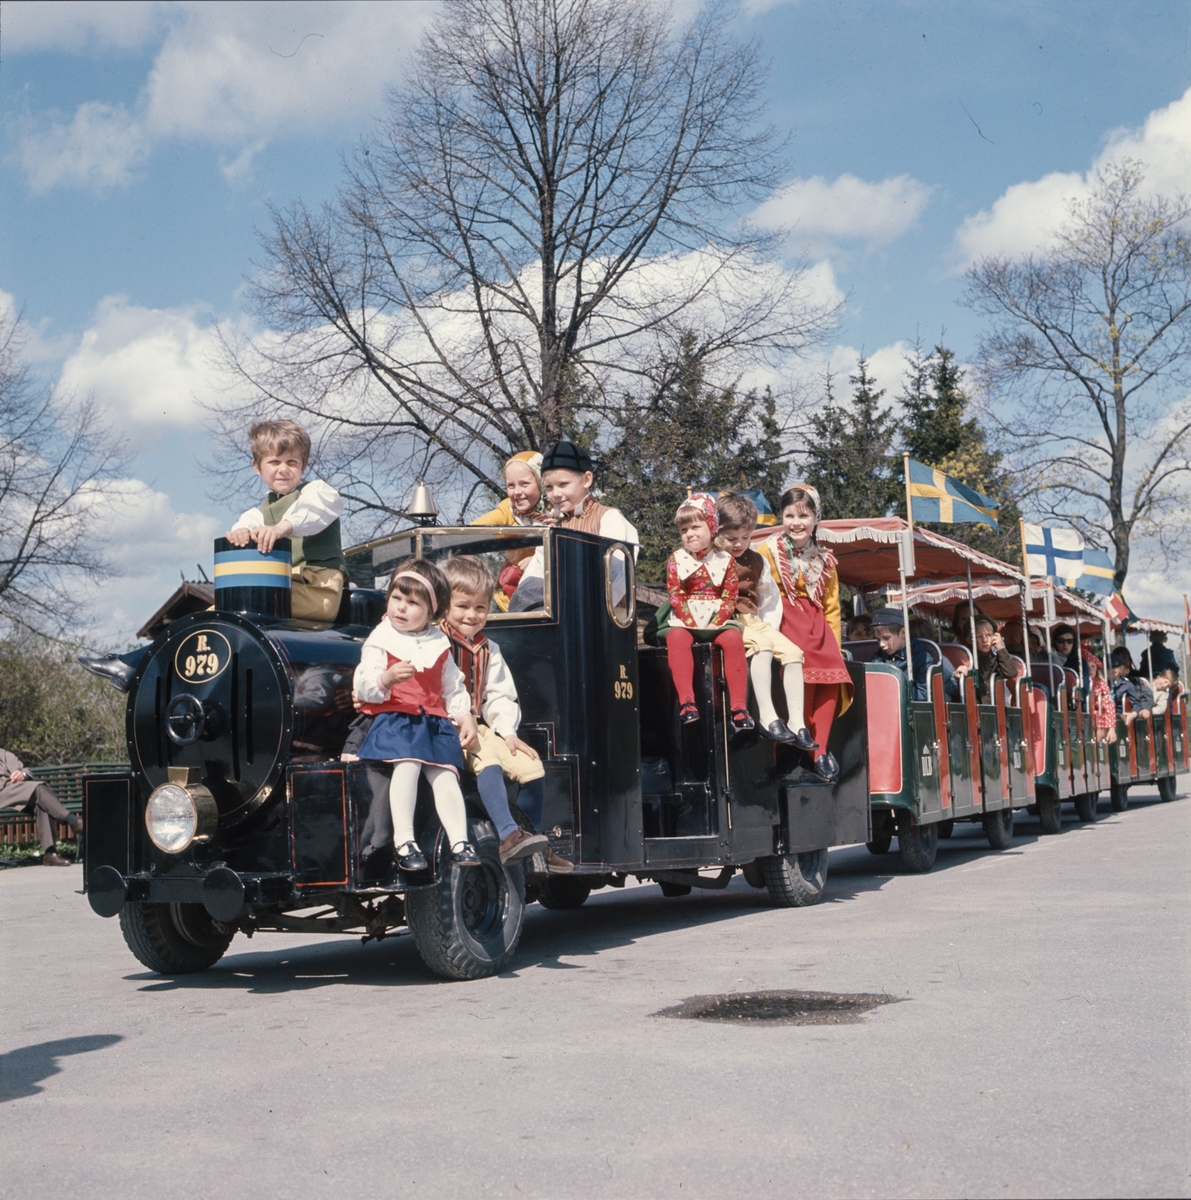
399	737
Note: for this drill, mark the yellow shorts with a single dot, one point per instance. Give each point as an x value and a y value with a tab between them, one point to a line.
493	751
316	593
759	637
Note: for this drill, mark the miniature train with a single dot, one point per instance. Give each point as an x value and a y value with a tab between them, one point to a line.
239	816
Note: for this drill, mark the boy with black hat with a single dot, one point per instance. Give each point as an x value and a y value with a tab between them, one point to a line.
890	632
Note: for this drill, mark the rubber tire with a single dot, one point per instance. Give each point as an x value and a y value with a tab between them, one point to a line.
918	845
173	939
1050	814
879	845
1087	805
796	880
1168	788
564	891
753	875
946	829
675	889
1119	796
998	828
468	925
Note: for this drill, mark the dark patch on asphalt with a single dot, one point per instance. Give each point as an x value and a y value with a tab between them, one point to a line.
779	1008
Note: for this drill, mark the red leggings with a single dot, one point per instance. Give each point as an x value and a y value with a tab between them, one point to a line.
682	665
821	699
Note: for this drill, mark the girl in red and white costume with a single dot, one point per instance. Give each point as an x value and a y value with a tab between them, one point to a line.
409	681
703	585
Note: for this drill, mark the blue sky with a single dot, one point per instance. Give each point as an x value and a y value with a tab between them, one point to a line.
144	141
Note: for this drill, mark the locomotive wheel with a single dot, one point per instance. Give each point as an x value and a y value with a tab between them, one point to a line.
468	925
795	880
675	889
1086	806
998	828
564	891
918	845
879	845
1167	788
1119	795
946	829
753	875
173	939
1050	813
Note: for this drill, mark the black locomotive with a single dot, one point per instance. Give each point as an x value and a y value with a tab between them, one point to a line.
239	816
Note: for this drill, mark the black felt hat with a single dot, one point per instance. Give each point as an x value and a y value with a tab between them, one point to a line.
888	618
566	456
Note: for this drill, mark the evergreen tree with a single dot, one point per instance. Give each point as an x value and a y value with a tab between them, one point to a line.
687	434
936	432
849	459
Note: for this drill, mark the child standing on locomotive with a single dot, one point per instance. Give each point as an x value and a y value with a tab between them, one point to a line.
524	504
703	587
306	511
806	577
498	751
757	600
409	681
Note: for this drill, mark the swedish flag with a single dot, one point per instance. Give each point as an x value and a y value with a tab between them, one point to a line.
1098	574
765	515
936	497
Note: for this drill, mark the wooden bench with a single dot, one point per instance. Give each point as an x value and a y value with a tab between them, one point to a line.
19	828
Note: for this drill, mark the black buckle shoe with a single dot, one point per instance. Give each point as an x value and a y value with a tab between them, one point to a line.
778	731
803	741
826	767
688	714
410	858
742	722
465	855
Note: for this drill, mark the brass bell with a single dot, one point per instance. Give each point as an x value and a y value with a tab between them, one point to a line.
421	505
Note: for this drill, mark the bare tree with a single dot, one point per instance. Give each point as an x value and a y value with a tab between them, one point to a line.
549	206
57	467
1088	357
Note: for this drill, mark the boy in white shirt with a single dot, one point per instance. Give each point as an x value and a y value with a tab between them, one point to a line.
498	751
305	511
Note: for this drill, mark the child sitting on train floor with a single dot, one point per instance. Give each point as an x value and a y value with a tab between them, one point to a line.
408	680
307	511
703	586
757	595
498	750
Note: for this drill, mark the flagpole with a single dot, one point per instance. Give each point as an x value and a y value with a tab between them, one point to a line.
1025	594
909	502
901	570
972	626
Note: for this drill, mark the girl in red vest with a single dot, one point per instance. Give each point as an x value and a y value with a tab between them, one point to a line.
409	681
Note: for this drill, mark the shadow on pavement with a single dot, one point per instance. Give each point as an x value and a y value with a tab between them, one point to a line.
21	1071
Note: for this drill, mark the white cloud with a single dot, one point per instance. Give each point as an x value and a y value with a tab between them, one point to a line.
848	209
229	75
80	27
151	369
1022	218
887	367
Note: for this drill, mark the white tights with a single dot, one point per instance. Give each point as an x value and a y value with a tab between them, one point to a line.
761	673
448	800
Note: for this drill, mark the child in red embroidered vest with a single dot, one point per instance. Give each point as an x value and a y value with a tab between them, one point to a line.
702	582
807	579
498	751
409	681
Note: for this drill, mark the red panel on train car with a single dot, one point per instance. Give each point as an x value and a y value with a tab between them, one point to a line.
943	738
1039	720
884	733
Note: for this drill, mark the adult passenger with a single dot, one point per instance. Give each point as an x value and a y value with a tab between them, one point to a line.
19	791
1162	656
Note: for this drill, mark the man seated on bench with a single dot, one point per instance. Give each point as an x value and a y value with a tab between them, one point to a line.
889	630
20	791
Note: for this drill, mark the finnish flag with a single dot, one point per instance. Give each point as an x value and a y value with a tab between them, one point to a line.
1053	553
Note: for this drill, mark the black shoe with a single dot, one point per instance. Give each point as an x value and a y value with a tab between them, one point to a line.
826	767
410	858
465	855
803	741
778	731
117	669
688	714
742	722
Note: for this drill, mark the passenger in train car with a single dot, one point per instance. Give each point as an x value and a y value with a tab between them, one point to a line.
703	587
1100	701
307	511
889	630
808	582
762	641
961	621
992	660
1163	656
1165	685
498	751
408	680
860	627
1128	684
524	504
1067	652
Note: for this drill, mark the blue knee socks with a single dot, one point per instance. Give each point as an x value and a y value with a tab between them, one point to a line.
491	784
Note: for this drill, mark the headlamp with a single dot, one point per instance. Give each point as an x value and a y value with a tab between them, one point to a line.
181	812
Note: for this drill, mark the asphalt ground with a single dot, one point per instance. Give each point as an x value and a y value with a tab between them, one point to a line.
1038	1045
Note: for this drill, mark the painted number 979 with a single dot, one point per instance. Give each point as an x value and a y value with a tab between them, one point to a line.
622	689
197	665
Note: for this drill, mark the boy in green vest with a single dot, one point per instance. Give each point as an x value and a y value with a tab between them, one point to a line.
305	511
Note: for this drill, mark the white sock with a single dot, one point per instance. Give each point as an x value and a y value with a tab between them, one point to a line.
448	800
761	673
795	695
403	799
